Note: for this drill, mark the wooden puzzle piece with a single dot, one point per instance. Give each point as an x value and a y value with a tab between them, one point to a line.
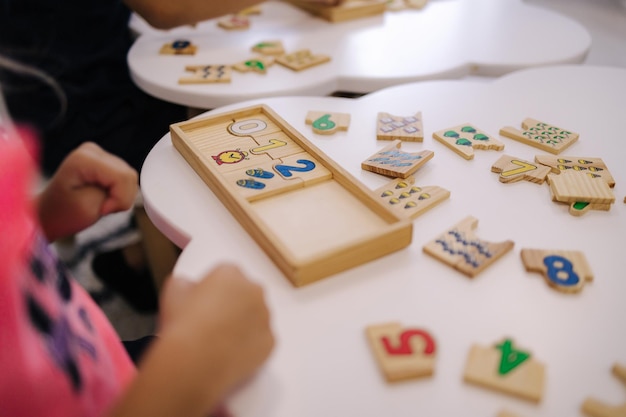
234	22
260	181
595	408
327	123
276	145
463	139
393	162
409	200
402	353
459	248
506	369
258	64
346	10
389	127
541	135
302	166
269	48
253	125
252	10
301	60
576	186
178	47
593	167
512	169
203	74
395	5
566	271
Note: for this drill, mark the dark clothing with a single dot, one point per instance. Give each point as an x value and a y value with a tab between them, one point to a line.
83	46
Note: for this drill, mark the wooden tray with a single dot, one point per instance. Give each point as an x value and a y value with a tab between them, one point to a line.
307	213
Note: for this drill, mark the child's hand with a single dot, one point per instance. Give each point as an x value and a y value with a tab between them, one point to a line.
89	183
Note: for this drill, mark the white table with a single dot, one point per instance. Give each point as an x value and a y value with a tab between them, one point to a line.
322	364
446	39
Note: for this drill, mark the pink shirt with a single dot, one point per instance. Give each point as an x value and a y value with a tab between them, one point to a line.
59	355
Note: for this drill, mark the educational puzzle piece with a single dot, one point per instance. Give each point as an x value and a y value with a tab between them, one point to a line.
178	47
580	191
566	271
463	139
393	162
327	123
506	369
301	60
407	199
541	135
459	248
269	48
595	408
402	353
593	167
409	128
234	22
258	64
203	74
512	169
345	10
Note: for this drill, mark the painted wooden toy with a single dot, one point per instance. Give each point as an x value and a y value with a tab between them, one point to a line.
234	22
506	369
593	167
463	139
206	74
258	64
271	177
346	10
409	200
541	135
595	408
393	162
327	123
566	271
402	353
512	169
178	47
408	129
459	248
301	60
269	48
580	191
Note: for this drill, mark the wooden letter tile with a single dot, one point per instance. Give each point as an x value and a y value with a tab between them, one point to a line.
463	139
402	353
393	162
541	135
462	250
595	408
409	129
514	169
327	123
409	200
567	271
506	369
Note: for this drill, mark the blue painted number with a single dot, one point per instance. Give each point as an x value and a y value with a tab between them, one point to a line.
560	270
286	170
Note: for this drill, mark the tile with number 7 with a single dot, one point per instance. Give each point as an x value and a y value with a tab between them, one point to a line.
566	271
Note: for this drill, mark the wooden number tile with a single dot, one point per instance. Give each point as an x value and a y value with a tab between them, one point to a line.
301	60
206	74
179	47
593	167
269	48
234	22
595	408
512	169
409	128
253	126
463	139
393	162
302	166
506	369
276	145
260	181
327	123
541	135
462	250
402	353
580	191
566	271
409	200
258	64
